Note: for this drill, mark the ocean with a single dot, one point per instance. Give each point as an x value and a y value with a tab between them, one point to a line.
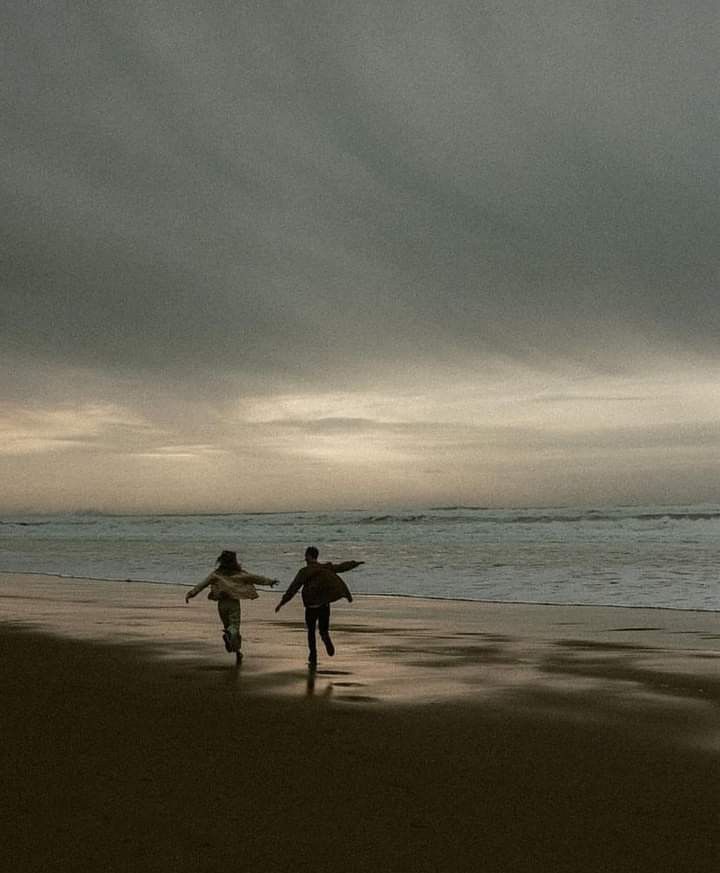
652	556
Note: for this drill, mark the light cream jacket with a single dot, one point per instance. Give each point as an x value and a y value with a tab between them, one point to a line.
237	584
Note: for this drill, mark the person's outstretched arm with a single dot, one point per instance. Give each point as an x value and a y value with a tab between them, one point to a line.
198	588
255	579
345	566
295	586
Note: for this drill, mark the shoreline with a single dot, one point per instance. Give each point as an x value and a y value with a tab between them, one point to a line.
430	597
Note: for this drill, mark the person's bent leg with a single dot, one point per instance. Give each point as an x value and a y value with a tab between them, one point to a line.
229	610
311	617
324	628
234	624
225	619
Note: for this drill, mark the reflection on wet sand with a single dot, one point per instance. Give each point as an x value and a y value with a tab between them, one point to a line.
401	651
542	750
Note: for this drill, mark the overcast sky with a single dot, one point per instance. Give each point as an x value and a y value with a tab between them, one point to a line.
265	255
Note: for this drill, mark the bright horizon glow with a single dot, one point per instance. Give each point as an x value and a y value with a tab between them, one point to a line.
527	439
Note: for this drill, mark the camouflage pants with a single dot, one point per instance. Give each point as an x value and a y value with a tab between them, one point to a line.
229	610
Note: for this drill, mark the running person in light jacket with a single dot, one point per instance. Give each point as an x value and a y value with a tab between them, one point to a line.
321	586
229	584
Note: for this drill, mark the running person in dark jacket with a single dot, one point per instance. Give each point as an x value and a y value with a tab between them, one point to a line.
321	586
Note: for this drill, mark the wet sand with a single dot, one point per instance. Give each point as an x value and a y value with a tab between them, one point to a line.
442	736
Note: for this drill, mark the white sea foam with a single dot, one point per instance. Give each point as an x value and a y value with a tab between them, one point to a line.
630	556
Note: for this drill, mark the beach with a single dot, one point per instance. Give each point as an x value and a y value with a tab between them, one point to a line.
443	736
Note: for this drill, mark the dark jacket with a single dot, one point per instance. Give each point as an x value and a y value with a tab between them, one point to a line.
320	583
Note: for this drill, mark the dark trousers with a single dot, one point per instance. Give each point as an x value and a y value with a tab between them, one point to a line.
320	616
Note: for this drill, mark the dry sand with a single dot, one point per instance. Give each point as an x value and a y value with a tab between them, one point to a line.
442	737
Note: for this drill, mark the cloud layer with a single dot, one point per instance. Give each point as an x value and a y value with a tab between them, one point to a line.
232	208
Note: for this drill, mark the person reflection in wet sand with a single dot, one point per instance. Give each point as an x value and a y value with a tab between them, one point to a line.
310	688
321	586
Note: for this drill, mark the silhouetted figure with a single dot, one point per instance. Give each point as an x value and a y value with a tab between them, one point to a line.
321	586
229	584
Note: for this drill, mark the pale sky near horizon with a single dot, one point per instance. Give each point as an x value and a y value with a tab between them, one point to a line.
327	254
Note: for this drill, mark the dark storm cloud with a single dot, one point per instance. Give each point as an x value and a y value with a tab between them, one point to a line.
279	188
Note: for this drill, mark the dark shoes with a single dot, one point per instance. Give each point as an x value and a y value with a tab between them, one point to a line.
227	641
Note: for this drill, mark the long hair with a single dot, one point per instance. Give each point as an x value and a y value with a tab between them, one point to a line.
227	560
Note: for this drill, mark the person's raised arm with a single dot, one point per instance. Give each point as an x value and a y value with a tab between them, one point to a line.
345	566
